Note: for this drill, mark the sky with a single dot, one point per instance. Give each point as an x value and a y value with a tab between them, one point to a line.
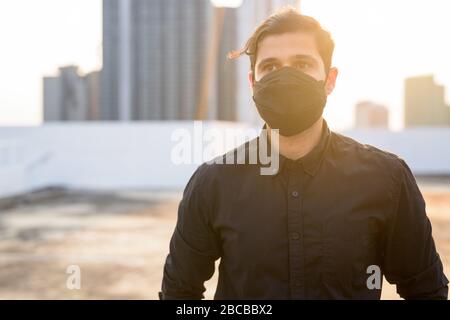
378	44
36	38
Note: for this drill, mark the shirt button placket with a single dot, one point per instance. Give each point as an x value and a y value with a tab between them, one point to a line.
295	233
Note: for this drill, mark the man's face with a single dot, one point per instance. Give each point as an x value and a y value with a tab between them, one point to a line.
295	49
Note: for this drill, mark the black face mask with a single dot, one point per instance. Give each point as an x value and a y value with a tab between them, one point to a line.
289	100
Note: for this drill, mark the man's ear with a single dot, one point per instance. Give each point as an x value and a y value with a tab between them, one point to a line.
331	80
251	79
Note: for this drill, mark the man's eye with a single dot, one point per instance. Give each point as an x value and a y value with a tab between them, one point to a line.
302	65
270	67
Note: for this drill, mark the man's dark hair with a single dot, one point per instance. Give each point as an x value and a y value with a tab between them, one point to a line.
288	19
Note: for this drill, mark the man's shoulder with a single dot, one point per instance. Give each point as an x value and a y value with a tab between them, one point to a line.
366	153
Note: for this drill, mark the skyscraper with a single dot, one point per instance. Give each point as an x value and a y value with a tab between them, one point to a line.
153	58
70	96
154	54
425	103
371	115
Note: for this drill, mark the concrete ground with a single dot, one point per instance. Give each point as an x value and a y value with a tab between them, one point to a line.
119	240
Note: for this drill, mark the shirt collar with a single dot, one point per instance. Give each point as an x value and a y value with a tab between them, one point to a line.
311	161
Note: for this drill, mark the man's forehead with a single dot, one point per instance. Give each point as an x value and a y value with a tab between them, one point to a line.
287	45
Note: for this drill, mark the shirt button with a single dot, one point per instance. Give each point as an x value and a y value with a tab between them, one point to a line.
295	236
295	194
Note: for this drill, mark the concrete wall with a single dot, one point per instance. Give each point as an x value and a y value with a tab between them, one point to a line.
97	155
138	155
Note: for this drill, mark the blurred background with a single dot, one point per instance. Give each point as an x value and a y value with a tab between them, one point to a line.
91	93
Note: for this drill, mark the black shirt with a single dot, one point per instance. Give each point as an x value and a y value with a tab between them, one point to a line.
313	230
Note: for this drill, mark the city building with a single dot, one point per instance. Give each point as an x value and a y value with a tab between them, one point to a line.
70	96
371	115
425	103
155	53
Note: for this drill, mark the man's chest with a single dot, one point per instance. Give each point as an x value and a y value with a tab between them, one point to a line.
333	232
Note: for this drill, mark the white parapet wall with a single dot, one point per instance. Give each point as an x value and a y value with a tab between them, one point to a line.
108	155
134	155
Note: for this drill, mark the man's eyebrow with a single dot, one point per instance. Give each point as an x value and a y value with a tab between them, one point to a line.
295	57
302	56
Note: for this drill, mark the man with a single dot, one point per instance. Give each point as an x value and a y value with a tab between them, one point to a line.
334	214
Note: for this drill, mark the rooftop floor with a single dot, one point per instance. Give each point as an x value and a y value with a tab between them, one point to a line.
120	241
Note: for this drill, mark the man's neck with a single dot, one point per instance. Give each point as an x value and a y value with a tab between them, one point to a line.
299	145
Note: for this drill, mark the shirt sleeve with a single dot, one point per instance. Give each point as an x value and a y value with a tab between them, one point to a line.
194	247
410	258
